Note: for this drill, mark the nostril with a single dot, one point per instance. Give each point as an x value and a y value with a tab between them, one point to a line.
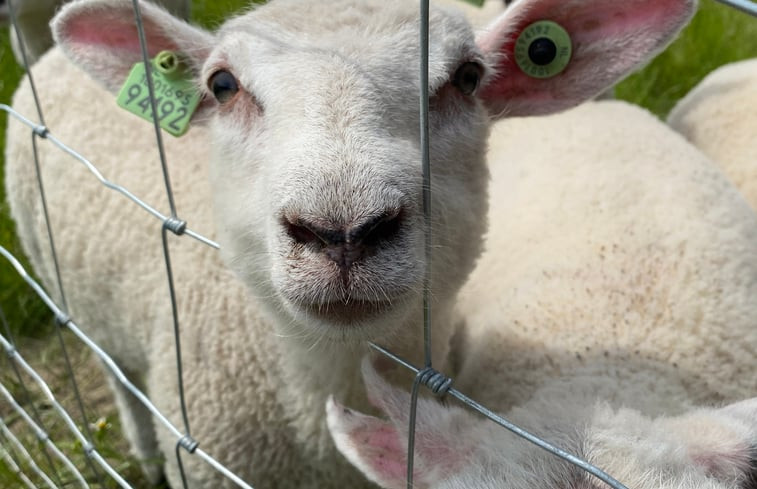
307	232
379	229
300	232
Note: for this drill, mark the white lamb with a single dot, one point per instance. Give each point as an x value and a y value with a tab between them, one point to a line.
720	117
615	299
478	16
312	146
33	17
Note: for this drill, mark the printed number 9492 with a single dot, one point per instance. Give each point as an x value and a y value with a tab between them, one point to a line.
166	108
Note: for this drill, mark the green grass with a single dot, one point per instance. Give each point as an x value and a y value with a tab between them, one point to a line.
716	36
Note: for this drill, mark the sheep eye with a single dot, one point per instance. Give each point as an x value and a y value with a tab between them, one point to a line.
223	85
467	77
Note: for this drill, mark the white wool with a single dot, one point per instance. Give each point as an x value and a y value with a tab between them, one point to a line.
612	308
316	152
719	116
257	367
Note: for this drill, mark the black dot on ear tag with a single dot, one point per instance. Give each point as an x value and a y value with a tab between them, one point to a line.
543	49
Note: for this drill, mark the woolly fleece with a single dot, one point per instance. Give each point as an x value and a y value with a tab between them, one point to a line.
719	116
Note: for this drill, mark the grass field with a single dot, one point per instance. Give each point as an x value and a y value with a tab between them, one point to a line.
716	36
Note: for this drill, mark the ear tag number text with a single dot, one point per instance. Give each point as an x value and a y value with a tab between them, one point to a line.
543	49
176	96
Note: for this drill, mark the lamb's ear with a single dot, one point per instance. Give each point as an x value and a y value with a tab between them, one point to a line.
101	37
723	442
374	446
609	39
443	437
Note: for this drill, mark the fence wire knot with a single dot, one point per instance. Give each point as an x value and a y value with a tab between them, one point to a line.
62	319
42	436
41	131
89	449
175	225
188	443
434	380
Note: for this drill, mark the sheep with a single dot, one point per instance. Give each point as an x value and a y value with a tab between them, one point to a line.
704	448
32	17
612	307
312	187
478	16
718	117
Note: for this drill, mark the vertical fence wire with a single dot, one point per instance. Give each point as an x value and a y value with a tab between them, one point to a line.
111	365
35	134
62	294
426	376
177	226
423	41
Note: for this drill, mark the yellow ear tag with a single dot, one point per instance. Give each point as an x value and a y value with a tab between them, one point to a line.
176	96
543	49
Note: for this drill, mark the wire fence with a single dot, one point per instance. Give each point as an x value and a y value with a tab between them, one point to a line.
50	466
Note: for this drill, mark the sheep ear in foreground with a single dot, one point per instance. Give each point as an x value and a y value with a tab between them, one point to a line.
445	436
101	37
704	447
609	39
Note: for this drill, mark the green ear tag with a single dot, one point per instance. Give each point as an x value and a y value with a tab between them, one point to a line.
176	96
543	49
477	3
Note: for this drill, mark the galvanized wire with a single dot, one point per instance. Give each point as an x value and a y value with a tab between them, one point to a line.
64	305
49	136
28	460
68	322
42	435
500	420
22	384
11	464
24	57
746	6
426	375
426	195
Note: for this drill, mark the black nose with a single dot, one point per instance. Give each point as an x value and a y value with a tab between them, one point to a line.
346	244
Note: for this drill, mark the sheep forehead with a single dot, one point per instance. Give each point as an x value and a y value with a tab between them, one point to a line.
375	38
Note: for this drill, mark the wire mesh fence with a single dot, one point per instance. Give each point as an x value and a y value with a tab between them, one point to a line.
47	464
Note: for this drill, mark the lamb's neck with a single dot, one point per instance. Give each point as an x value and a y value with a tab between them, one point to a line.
311	373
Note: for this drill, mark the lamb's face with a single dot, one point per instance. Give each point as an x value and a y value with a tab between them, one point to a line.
317	172
313	105
455	449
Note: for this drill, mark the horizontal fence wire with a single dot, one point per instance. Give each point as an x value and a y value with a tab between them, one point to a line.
112	367
45	133
746	6
42	435
15	468
19	448
424	376
500	420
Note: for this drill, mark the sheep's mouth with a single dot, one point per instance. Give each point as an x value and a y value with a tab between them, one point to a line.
350	312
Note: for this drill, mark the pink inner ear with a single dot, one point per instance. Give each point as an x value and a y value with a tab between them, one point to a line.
387	451
723	461
609	39
111	30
